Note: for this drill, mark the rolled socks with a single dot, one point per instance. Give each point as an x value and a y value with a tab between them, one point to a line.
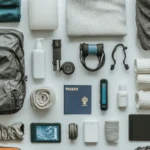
143	100
142	66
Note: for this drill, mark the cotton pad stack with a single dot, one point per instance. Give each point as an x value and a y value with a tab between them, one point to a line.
142	69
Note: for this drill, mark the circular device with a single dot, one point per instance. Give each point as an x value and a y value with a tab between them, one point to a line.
68	68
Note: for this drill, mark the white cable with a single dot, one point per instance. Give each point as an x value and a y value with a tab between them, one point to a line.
42	98
143	79
142	66
143	100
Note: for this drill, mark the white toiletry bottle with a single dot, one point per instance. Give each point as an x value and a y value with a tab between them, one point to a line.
39	61
122	96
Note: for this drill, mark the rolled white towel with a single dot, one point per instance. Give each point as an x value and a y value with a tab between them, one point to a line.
142	66
42	98
143	100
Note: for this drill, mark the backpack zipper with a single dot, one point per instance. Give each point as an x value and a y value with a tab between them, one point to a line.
16	56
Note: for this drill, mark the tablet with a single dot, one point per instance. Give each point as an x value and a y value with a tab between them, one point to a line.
139	127
46	132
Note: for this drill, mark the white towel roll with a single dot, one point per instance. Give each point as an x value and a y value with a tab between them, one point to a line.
142	66
143	100
42	98
143	79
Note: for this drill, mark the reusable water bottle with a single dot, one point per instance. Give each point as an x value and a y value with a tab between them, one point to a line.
39	63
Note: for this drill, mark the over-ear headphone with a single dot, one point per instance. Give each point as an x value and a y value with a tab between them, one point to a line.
113	53
92	49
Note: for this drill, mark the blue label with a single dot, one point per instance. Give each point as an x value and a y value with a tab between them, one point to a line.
104	93
47	133
92	49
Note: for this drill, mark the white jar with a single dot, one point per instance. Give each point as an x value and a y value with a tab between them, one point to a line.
39	62
122	96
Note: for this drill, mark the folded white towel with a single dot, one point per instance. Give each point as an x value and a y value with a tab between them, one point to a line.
96	18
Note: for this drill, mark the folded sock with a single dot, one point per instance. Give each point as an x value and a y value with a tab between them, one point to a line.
143	100
112	131
142	66
96	18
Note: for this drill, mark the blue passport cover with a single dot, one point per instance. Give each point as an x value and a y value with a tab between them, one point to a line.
77	99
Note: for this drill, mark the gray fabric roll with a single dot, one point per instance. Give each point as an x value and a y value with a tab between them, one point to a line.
42	98
143	23
14	132
112	131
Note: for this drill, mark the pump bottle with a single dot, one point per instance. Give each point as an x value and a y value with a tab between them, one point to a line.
122	96
39	61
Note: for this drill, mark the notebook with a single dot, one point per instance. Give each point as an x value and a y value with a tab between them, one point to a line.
77	99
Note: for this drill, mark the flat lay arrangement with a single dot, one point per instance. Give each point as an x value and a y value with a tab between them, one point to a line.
69	78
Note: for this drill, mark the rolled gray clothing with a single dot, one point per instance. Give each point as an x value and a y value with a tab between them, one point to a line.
42	98
112	131
143	23
14	132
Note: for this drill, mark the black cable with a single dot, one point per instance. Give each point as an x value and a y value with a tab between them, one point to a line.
101	60
124	60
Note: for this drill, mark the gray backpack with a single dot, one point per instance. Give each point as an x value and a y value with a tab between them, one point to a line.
12	71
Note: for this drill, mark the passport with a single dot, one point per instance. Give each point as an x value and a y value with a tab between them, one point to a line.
77	99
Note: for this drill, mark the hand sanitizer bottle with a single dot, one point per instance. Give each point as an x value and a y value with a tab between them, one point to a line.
39	61
122	96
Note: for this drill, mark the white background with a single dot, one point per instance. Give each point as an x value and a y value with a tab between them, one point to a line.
70	52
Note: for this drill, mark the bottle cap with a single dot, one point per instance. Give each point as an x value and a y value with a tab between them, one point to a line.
122	87
39	43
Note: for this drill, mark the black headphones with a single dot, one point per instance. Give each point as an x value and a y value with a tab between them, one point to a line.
113	53
92	49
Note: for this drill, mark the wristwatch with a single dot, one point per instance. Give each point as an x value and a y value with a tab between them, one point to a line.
143	148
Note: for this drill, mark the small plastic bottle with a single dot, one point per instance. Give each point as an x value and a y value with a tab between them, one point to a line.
122	96
39	64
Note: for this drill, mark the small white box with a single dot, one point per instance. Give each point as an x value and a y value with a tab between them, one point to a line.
91	131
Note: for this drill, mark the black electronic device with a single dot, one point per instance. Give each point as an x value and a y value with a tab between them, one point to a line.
104	94
68	68
139	127
46	132
92	49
